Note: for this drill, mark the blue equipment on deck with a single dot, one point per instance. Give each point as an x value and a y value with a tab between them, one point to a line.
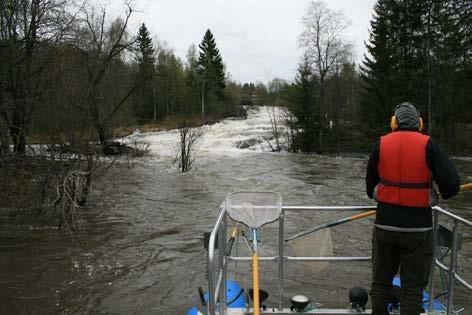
235	297
437	306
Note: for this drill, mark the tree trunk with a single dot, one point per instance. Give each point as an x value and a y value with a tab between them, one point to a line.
320	138
183	148
322	116
101	135
19	140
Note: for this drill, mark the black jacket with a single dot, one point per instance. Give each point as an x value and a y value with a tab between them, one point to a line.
444	174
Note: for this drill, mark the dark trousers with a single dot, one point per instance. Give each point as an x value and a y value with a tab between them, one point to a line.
412	253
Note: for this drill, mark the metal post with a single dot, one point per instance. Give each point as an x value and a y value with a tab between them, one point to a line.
281	258
433	264
211	253
221	254
203	99
211	285
428	63
154	101
452	269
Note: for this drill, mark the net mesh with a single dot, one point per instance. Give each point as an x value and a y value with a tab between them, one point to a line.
254	209
317	244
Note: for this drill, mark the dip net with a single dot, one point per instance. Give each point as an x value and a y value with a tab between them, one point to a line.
254	209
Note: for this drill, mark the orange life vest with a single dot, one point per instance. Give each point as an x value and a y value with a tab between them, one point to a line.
405	178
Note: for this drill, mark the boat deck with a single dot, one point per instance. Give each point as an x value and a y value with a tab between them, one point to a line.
242	311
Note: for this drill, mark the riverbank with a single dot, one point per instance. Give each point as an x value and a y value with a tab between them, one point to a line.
29	183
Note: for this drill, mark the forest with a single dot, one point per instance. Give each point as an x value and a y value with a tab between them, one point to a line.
68	76
73	80
418	51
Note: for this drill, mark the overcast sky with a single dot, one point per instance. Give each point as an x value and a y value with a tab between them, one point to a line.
257	38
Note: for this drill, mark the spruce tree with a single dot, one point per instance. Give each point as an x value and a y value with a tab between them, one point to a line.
145	57
465	21
211	69
452	65
420	51
396	69
306	108
378	69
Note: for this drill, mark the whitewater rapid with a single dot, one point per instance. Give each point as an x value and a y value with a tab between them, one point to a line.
221	138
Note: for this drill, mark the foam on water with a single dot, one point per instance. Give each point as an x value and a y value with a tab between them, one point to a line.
221	138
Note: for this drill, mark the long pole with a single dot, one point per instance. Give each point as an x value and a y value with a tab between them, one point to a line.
463	187
452	270
331	224
255	274
428	51
203	99
154	101
466	187
433	265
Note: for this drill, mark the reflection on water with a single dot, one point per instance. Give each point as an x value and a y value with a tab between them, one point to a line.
140	249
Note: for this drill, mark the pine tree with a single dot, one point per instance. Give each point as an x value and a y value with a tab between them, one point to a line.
211	69
145	57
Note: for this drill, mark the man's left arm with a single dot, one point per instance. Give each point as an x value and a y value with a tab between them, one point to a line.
444	172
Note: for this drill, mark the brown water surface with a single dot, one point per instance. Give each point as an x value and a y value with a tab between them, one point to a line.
140	251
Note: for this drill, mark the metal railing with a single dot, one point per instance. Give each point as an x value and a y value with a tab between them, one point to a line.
220	230
217	291
451	269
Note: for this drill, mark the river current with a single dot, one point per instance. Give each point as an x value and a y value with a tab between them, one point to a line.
139	249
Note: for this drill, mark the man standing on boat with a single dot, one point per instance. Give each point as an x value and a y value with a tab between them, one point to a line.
400	173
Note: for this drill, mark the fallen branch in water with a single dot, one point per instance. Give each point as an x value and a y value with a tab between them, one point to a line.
70	193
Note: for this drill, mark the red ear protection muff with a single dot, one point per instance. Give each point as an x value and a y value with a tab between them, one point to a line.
394	121
394	124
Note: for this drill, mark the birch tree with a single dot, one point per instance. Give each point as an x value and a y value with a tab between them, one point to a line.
325	48
102	45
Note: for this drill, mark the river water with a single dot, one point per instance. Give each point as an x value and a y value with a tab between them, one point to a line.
140	246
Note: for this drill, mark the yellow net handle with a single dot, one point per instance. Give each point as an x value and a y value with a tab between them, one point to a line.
466	187
255	283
